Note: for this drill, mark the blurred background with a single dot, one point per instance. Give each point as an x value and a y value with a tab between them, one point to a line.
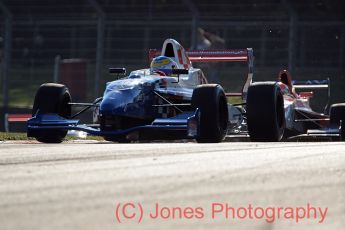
75	42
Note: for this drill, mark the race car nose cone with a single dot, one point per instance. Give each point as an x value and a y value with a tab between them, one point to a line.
115	102
133	102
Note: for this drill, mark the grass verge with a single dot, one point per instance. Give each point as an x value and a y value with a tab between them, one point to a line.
4	136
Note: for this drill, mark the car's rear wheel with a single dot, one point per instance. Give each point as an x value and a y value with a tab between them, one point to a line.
337	114
265	112
52	98
211	101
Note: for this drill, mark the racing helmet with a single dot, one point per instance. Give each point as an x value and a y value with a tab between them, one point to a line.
162	65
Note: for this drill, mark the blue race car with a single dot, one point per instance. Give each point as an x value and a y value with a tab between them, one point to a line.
169	100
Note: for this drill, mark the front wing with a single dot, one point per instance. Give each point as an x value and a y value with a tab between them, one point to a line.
185	126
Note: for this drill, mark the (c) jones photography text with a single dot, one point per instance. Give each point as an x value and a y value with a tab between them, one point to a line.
136	212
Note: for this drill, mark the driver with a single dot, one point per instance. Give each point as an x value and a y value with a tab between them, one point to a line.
162	65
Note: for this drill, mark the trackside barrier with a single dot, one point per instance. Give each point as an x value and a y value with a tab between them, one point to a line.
15	118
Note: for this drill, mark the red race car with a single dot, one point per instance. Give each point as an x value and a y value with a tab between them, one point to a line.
275	111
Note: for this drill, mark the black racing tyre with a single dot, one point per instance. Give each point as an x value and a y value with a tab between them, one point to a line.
212	103
52	98
337	114
265	112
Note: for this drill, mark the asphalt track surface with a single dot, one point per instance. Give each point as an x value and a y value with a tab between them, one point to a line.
79	185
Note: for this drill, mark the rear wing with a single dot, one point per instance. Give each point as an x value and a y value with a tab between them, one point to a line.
220	55
311	84
240	55
315	84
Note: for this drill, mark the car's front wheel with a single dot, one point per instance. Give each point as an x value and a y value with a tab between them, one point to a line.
337	114
52	98
265	112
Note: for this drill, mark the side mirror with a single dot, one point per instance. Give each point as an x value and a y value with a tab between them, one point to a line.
178	72
117	70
